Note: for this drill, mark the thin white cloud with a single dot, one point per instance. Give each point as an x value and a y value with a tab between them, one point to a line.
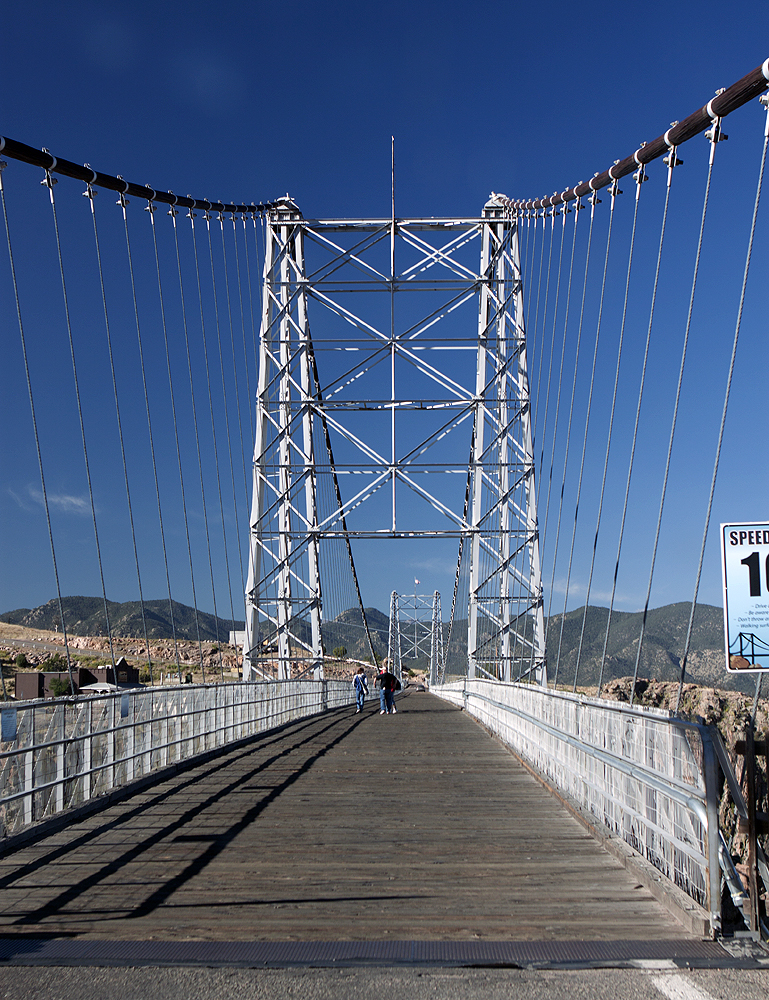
33	497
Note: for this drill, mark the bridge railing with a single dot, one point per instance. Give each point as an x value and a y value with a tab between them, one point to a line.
641	774
59	754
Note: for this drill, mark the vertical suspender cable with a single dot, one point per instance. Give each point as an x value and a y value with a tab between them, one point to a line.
533	397
225	407
49	183
584	437
173	212
671	163
555	426
234	362
191	217
34	428
543	526
640	177
243	331
577	209
723	413
552	340
531	354
713	144
91	195
151	210
123	202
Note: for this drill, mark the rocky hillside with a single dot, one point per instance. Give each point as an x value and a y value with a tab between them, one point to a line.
664	639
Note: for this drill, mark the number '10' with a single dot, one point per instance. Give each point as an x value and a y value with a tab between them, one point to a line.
754	571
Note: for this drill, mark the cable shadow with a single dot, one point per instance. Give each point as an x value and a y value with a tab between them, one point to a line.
70	894
207	768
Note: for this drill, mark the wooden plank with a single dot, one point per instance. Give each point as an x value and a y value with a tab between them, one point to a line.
358	827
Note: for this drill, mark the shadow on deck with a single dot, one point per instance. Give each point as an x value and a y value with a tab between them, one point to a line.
416	826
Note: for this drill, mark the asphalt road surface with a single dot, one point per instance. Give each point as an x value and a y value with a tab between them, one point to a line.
381	983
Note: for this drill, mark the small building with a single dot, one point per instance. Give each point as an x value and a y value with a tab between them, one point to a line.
33	684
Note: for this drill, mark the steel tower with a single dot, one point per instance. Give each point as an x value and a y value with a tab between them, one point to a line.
378	425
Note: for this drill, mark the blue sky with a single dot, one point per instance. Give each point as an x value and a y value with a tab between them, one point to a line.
248	102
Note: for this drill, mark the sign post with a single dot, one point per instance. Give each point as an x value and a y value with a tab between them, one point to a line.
745	569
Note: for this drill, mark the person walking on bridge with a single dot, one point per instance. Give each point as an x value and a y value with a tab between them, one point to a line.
388	685
361	688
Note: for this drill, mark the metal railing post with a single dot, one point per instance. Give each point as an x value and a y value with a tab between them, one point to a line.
710	767
87	753
29	785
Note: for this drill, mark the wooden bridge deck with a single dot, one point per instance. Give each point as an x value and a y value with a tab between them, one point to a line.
342	827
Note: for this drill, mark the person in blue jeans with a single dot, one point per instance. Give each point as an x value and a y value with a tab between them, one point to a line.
388	684
361	688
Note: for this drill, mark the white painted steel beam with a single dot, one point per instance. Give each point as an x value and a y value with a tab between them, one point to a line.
320	264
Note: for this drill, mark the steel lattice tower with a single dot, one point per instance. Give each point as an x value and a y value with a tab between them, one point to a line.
381	403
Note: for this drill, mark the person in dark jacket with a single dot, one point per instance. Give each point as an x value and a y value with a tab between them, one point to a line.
388	685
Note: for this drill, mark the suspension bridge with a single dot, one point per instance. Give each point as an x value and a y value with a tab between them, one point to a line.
263	406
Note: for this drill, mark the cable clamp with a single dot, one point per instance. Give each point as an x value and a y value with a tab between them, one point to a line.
714	133
764	99
55	161
635	155
2	143
614	189
666	136
709	106
671	160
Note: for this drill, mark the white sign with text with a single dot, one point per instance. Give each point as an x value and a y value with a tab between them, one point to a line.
745	568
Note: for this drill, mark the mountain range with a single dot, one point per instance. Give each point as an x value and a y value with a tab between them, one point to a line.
664	636
85	616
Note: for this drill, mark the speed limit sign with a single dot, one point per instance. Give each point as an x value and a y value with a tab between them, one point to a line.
745	568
